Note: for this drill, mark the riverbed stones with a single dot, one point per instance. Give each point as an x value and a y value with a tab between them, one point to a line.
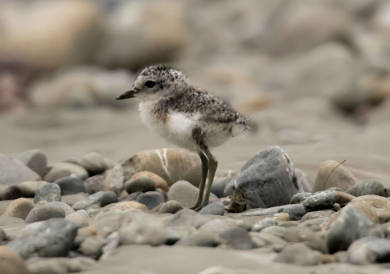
299	254
19	208
58	265
151	199
13	171
171	206
183	192
95	163
368	187
11	263
266	180
64	169
48	192
333	174
369	250
35	160
70	185
48	210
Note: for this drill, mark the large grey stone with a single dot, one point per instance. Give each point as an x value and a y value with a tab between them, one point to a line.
35	160
13	171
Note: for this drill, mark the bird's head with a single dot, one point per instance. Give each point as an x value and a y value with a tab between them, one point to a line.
155	81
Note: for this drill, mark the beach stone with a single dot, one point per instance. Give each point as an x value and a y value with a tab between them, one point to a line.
299	197
219	185
264	223
94	184
114	179
188	217
368	187
303	181
101	198
3	235
45	211
237	238
62	169
48	192
140	184
171	206
79	218
70	185
295	211
263	239
13	171
11	263
219	226
35	160
298	254
333	174
127	205
317	214
23	189
326	199
92	247
184	192
369	250
376	208
51	238
266	180
59	265
151	199
200	238
157	180
215	208
19	208
95	163
349	226
171	164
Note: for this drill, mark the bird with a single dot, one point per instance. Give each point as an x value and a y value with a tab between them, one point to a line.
187	116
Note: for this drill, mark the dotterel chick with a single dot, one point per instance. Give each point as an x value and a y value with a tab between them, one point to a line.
186	116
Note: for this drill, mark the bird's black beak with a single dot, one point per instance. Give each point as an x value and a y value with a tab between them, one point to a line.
127	95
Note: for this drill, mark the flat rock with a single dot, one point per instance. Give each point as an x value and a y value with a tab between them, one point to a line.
369	250
70	185
11	263
45	211
376	208
59	265
171	206
183	192
368	187
151	199
13	171
295	211
35	160
266	180
157	180
237	238
48	192
326	199
95	163
19	208
62	169
298	254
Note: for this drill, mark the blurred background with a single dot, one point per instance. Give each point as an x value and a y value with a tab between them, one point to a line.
313	75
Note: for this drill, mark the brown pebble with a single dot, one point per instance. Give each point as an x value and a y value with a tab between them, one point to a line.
19	208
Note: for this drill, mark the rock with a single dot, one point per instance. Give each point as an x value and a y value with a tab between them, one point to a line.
237	238
35	160
215	208
303	181
188	217
19	208
127	205
171	206
166	28
266	180
171	164
3	235
94	184
45	211
48	192
200	238
317	214
60	170
59	265
140	184
349	226
13	171
114	179
79	218
70	185
142	229
95	163
52	238
151	199
376	208
295	211
299	197
298	254
369	250
183	192
264	223
92	247
11	263
101	198
157	180
219	184
368	187
219	226
326	199
333	174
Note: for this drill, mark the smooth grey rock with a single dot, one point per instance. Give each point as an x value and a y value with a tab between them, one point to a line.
70	185
13	171
218	187
48	192
62	169
188	217
52	238
141	184
349	226
267	180
79	218
215	208
326	199
114	178
369	250
102	198
183	192
200	238
47	210
95	163
171	206
58	265
295	211
264	223
94	184
298	254
35	160
92	247
368	187
219	225
151	199
237	238
299	197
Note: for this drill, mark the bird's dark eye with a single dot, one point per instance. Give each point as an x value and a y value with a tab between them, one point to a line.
150	84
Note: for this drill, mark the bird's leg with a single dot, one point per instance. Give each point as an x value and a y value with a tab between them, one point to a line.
204	161
212	167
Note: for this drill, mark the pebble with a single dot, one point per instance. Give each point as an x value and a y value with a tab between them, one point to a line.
19	208
219	225
59	265
368	187
13	171
151	199
48	192
45	211
218	187
140	184
188	217
303	181
157	180
298	254
326	199
127	205
295	211
266	180
376	208
102	198
369	250
237	238
94	184
262	239
349	226
215	208
333	174
51	238
70	185
79	218
264	223
11	263
3	235
299	197
35	160
23	189
114	179
92	247
95	163
183	192
200	238
62	169
171	206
